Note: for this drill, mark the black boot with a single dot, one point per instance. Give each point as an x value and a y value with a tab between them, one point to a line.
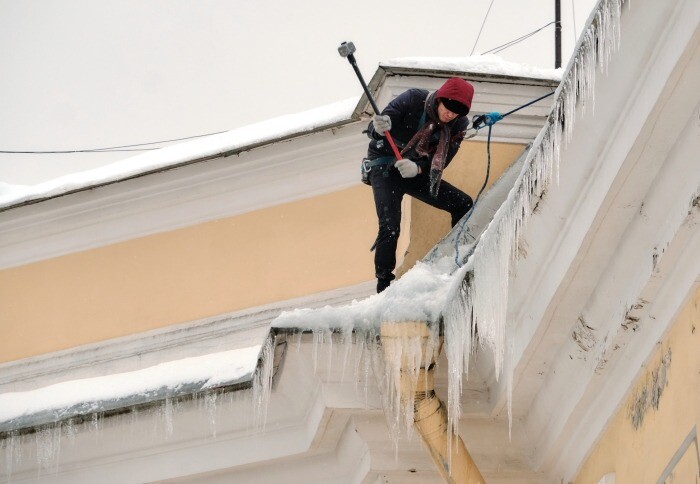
382	284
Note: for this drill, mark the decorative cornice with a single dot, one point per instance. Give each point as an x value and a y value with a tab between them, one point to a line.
615	239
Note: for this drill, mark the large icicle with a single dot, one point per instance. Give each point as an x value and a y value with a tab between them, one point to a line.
480	304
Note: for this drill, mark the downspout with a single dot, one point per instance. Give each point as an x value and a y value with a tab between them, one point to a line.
448	452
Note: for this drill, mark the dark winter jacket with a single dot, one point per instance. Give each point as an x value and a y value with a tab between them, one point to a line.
405	112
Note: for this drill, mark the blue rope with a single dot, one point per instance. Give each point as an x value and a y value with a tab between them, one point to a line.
479	122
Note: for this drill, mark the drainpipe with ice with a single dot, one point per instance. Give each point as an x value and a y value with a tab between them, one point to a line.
410	350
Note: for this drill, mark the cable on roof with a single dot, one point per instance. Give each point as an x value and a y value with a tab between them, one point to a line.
516	41
110	148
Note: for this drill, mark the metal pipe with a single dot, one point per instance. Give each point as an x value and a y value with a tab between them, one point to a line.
448	452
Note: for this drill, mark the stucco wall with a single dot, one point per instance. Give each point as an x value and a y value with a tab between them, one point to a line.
183	275
467	172
652	432
268	255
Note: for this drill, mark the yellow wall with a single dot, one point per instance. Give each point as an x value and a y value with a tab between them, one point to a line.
183	275
642	439
212	268
467	172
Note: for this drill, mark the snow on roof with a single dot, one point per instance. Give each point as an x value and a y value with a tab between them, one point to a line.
84	396
210	146
477	64
420	295
254	134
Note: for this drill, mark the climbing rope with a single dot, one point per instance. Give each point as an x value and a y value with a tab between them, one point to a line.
488	119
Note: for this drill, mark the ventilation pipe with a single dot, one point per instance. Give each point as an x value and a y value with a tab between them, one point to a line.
410	353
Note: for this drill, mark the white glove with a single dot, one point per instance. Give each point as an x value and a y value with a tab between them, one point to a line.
407	168
381	123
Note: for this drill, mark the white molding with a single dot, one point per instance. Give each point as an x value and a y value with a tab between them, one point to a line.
596	259
490	95
223	332
143	451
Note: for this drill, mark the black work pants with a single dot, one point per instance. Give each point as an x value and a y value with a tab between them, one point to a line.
388	192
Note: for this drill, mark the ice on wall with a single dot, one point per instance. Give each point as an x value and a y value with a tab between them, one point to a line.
89	394
472	299
36	425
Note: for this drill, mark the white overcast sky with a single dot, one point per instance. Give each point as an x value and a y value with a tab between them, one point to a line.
79	74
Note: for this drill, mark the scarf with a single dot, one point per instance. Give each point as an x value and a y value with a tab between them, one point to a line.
421	141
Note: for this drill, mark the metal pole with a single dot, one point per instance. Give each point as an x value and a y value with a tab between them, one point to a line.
347	49
557	34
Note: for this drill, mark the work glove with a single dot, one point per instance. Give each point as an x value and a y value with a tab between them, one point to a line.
407	168
381	123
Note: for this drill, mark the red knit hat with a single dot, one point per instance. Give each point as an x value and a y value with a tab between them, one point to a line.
457	95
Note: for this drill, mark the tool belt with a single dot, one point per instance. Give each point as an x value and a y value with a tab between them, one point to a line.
367	165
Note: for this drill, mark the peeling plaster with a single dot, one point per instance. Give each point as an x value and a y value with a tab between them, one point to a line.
583	335
649	395
631	319
655	258
604	356
522	250
694	204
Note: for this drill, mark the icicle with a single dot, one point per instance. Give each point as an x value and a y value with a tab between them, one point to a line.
398	367
168	417
70	430
12	447
262	384
347	347
210	405
458	344
478	303
320	336
371	359
329	354
48	446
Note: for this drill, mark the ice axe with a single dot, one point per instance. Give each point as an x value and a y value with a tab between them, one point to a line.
347	49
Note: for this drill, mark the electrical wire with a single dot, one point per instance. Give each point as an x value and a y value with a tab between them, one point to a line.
62	152
482	27
516	41
111	148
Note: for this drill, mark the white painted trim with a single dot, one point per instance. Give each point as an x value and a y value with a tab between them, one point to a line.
604	396
304	167
567	407
227	331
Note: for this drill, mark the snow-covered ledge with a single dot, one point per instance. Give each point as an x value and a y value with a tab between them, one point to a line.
78	399
218	354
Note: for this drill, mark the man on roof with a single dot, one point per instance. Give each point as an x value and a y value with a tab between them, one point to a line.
428	129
